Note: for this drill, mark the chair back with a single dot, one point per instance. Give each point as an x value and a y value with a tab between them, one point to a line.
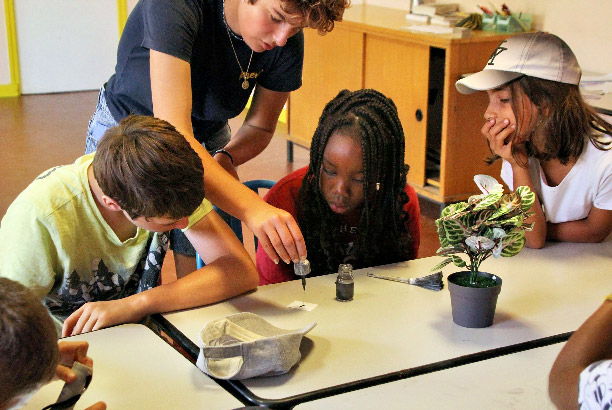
236	224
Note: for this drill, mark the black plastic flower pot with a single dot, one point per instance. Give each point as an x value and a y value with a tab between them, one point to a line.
473	307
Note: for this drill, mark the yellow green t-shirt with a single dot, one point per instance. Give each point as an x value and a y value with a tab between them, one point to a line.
56	242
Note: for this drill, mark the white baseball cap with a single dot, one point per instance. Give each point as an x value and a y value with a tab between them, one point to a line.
541	55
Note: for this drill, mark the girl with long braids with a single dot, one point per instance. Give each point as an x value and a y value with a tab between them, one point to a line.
352	202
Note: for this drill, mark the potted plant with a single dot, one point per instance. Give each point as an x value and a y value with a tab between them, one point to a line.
490	224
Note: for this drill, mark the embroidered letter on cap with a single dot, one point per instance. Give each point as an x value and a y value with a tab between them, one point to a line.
497	52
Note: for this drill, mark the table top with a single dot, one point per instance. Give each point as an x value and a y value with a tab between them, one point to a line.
390	326
517	381
135	369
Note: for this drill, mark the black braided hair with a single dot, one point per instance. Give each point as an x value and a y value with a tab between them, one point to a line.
383	237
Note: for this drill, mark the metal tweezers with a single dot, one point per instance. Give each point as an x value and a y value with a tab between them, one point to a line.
401	280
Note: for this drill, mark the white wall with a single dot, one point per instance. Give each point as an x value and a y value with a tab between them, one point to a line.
584	25
65	45
76	40
130	5
5	68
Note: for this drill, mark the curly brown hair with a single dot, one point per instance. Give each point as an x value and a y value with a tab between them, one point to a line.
318	14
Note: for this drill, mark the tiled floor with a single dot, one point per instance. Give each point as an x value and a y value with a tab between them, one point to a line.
40	131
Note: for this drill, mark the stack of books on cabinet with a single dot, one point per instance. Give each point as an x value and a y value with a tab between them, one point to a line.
443	14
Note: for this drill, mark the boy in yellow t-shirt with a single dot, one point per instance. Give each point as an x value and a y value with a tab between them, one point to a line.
90	237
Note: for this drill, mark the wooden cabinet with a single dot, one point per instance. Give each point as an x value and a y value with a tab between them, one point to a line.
396	69
371	49
330	65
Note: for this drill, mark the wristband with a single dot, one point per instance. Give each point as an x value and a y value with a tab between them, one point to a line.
224	152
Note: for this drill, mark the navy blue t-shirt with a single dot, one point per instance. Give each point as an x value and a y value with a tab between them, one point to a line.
194	31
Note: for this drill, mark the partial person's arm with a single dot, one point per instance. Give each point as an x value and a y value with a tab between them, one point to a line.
229	271
594	228
258	128
590	343
283	195
277	231
535	238
497	133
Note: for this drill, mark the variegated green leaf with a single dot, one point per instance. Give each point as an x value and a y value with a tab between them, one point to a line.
441	264
444	242
449	250
528	227
489	201
476	219
513	243
475	199
527	197
507	204
512	236
516	221
453	209
452	231
458	261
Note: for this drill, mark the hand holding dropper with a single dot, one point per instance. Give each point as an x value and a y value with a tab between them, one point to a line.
302	268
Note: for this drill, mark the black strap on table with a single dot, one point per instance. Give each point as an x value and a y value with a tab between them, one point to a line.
235	388
246	396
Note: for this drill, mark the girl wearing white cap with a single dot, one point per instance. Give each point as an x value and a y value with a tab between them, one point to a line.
548	137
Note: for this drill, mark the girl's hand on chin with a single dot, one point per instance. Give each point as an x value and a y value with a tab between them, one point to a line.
499	134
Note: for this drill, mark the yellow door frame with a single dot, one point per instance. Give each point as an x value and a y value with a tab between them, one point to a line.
122	14
13	89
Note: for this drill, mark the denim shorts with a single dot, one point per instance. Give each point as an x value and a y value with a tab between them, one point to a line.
102	120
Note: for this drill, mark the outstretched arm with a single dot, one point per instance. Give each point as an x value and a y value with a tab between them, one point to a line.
259	125
229	271
277	231
590	343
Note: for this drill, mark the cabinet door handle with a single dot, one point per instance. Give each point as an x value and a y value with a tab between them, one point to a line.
419	115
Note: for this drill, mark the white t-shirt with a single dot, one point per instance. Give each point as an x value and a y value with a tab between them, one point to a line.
587	185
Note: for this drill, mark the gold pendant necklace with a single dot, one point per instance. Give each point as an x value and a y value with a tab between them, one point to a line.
243	74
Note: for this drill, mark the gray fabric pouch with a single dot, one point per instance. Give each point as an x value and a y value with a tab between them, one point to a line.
245	345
